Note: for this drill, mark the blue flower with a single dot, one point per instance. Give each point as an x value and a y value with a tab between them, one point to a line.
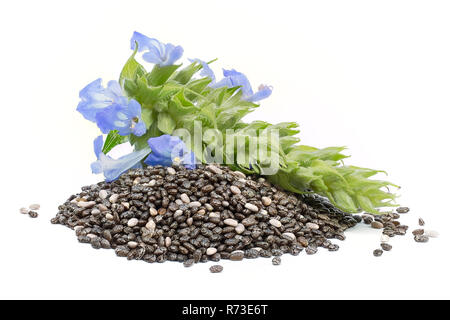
156	51
168	150
113	168
94	98
125	118
206	70
233	78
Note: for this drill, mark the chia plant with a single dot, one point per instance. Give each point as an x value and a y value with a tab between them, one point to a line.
147	108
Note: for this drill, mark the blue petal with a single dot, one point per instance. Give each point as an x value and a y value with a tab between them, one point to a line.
167	146
134	109
94	98
139	129
263	93
113	168
239	79
172	55
189	160
106	118
154	159
98	145
96	167
142	40
206	70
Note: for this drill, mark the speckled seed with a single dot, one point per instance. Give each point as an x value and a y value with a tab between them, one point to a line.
384	238
126	205
376	225
209	207
137	180
171	171
237	255
421	238
230	222
264	212
184	197
216	268
312	226
240	174
239	228
188	263
214	215
109	216
377	252
214	169
194	204
78	228
24	210
418	232
178	213
103	194
34	206
152	183
251	207
102	207
274	222
189	221
86	204
431	233
421	222
114	198
132	222
276	261
153	212
132	244
33	214
266	201
235	190
201	211
151	225
386	246
403	210
288	236
167	241
211	251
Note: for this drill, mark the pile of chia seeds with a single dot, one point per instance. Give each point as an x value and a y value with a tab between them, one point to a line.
160	214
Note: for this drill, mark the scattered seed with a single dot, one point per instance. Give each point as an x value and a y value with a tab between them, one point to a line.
33	214
34	206
211	251
312	226
421	238
24	210
402	210
377	252
418	232
421	222
216	268
386	246
276	261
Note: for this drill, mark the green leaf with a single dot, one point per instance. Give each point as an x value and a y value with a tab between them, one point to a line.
179	105
132	69
166	123
159	75
147	116
113	139
184	75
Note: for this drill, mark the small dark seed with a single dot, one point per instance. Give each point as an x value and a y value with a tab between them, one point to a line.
377	252
216	268
276	261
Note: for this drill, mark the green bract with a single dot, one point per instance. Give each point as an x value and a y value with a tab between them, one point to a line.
171	99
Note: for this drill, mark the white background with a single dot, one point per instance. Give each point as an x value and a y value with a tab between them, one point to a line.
370	75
